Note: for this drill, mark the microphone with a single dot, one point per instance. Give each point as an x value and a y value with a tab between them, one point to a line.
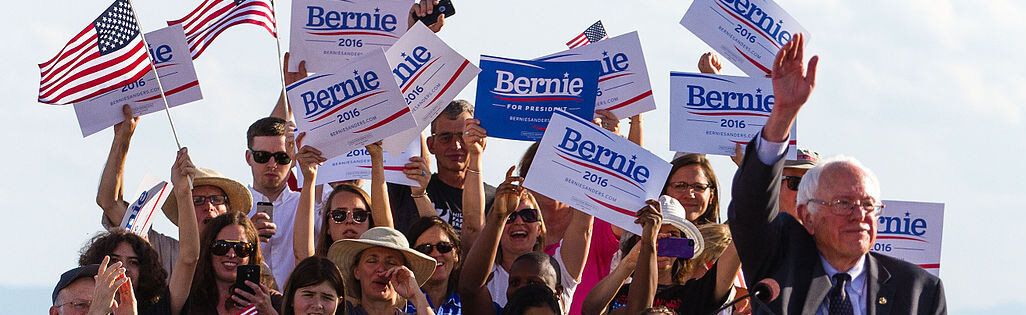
764	291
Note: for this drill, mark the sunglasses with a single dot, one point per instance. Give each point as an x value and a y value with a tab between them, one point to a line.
221	247
339	216
262	157
447	137
527	215
216	200
792	182
442	247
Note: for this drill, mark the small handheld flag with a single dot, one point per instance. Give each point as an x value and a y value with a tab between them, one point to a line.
594	33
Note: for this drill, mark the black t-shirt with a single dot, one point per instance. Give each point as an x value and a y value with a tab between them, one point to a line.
448	202
697	296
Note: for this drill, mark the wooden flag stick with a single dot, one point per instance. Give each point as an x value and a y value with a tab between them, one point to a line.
157	76
281	66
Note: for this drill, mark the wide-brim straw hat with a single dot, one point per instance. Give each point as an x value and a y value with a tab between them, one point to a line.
239	198
674	214
345	253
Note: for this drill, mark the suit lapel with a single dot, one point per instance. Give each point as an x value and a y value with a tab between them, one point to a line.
818	289
879	292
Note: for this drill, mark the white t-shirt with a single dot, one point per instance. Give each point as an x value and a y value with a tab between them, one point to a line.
278	253
500	282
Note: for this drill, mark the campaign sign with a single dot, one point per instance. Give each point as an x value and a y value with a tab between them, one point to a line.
329	32
356	164
170	55
595	171
351	106
911	231
515	98
139	216
623	86
747	32
711	113
430	74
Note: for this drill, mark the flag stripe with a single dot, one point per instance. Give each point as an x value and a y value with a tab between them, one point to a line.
67	67
98	64
204	44
208	34
84	32
133	71
207	21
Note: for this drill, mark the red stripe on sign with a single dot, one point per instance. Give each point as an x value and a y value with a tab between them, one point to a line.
757	30
172	91
614	208
451	80
886	237
414	79
539	128
615	76
630	101
537	99
155	205
346	104
756	63
351	33
929	266
728	114
386	120
600	170
387	168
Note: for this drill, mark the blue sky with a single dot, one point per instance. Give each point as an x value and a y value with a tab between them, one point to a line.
929	94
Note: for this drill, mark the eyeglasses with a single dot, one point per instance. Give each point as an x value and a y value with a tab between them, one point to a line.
527	215
262	157
683	186
221	247
216	200
844	207
792	182
446	137
358	215
443	247
80	306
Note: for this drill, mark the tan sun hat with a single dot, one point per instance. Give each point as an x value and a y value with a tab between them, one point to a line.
239	198
344	253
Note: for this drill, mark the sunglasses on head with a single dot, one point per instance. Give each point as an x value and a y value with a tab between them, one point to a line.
216	200
792	182
221	247
443	247
280	157
527	215
339	216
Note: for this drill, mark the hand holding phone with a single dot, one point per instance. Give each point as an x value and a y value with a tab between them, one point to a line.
675	247
245	273
443	7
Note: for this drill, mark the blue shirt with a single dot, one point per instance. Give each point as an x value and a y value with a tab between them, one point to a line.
451	306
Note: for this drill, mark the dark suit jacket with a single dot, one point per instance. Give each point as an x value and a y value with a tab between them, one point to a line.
774	245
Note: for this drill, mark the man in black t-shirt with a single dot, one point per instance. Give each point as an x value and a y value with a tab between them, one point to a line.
446	187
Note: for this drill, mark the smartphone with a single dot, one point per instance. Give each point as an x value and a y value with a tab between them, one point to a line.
268	208
443	7
245	273
675	247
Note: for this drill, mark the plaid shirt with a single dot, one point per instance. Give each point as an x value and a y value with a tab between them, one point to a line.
451	306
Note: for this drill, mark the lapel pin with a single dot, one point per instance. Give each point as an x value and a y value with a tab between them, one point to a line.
882	300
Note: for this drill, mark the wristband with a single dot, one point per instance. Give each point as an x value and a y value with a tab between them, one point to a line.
419	196
469	170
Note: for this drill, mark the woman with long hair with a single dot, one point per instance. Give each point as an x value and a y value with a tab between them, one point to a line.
141	262
434	237
314	287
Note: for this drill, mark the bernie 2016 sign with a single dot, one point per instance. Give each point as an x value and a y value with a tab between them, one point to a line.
515	98
911	231
329	32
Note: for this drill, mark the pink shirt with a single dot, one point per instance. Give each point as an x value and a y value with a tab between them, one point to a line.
604	245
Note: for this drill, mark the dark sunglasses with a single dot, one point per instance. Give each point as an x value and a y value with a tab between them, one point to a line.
262	157
528	215
443	247
339	216
221	247
216	200
792	182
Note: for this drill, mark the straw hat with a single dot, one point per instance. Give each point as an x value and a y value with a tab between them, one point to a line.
674	214
344	253
239	198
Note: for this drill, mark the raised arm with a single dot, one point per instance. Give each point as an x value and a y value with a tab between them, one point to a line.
709	63
280	110
110	194
474	137
417	169
474	278
646	276
575	248
188	232
635	134
380	209
598	298
425	7
726	269
309	160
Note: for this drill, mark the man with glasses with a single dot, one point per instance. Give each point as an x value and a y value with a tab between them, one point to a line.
823	266
445	188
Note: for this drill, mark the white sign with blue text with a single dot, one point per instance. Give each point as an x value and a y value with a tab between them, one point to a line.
623	85
152	193
747	32
911	231
713	113
329	32
430	74
356	164
355	104
595	171
170	54
515	98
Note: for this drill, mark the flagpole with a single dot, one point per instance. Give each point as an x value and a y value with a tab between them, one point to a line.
281	66
157	76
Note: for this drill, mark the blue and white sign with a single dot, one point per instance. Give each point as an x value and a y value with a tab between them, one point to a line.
747	32
355	104
516	97
139	216
329	32
356	164
594	170
911	231
170	54
430	74
711	113
623	85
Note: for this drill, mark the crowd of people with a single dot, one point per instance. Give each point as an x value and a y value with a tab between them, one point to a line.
455	245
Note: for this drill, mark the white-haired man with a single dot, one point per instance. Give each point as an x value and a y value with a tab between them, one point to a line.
824	267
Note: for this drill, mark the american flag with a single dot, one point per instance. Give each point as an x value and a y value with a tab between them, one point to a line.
214	16
104	56
251	310
594	33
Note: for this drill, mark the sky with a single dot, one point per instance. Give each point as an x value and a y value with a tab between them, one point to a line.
928	94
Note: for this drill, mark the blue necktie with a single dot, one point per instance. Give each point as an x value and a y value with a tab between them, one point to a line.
840	304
